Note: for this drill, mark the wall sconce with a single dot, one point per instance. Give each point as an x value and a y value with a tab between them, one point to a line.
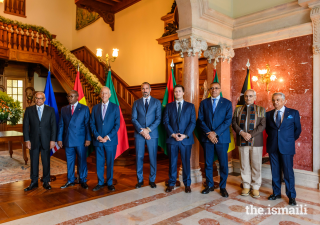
266	77
108	59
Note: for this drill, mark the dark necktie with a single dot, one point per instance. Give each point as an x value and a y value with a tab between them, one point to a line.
179	111
146	105
278	119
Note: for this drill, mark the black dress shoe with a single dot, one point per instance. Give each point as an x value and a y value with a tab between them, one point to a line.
111	188
274	197
187	189
139	185
152	184
84	185
207	190
224	192
98	187
31	186
46	185
169	189
292	201
68	184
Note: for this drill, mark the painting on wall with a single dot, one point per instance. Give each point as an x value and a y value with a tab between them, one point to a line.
85	18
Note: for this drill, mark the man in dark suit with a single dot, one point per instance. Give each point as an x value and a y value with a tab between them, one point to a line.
146	117
105	123
283	128
74	135
179	120
215	117
39	133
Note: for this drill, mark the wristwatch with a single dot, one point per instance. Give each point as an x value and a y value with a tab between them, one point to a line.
148	129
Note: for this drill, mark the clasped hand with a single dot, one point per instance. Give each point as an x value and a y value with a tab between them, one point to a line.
212	137
145	133
176	136
245	135
103	140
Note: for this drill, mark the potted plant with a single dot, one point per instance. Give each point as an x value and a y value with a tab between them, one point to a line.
10	110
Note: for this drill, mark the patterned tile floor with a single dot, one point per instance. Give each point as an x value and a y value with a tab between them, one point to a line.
154	206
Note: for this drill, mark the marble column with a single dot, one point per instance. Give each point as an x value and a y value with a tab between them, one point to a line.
190	49
315	17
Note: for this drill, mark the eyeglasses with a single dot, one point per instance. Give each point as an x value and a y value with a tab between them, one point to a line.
38	98
214	88
71	96
249	96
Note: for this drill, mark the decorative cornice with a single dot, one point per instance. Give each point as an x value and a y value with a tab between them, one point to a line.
224	52
316	49
191	46
315	18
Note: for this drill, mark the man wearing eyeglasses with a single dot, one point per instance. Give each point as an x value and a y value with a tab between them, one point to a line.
74	135
249	122
39	133
214	118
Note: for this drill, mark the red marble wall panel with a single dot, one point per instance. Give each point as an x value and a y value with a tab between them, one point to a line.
291	61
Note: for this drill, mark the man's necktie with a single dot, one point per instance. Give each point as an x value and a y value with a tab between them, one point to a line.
39	113
72	110
104	111
179	111
278	119
146	105
214	105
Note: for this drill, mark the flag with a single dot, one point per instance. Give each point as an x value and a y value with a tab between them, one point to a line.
168	97
123	143
51	101
81	99
246	86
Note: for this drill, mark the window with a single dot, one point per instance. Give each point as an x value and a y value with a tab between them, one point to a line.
15	7
15	90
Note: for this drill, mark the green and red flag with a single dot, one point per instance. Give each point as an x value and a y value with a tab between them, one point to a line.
168	97
123	143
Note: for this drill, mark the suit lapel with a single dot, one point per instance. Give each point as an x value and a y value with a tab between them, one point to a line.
34	108
100	111
220	102
175	111
209	105
45	108
272	118
285	115
109	105
150	104
142	104
76	111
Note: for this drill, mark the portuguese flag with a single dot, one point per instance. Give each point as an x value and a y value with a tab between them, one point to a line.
123	143
81	99
168	97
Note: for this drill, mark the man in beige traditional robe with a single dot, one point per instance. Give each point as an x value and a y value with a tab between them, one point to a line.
248	122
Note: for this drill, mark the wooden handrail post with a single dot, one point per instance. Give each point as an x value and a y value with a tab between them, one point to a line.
14	43
5	35
34	41
9	36
45	44
29	39
1	34
25	39
19	38
40	43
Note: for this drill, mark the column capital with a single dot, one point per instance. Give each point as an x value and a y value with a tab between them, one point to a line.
315	18
191	46
224	52
316	49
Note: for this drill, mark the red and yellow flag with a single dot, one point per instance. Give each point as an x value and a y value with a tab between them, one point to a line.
77	87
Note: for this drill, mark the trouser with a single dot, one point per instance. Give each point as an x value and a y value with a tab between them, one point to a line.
152	146
173	152
103	152
282	163
81	152
221	149
250	166
45	159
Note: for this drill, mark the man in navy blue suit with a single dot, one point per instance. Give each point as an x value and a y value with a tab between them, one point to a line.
105	123
179	119
74	135
146	117
283	128
215	117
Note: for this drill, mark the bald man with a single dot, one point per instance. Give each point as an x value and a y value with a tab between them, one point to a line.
105	123
39	133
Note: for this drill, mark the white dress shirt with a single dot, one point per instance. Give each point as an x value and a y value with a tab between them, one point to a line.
281	114
218	98
144	100
75	106
41	110
177	104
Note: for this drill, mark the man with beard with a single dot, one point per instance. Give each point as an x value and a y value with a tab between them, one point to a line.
146	117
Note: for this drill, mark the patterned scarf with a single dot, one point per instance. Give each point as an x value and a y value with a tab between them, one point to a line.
252	123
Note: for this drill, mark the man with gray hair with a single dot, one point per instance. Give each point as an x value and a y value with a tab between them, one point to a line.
283	129
248	122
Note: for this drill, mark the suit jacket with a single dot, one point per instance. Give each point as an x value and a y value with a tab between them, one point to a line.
33	128
151	119
283	137
218	122
74	129
186	124
109	126
260	125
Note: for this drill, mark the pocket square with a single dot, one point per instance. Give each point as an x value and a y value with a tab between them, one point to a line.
290	117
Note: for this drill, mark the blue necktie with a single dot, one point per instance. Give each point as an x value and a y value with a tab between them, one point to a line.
179	111
146	105
214	105
39	113
278	119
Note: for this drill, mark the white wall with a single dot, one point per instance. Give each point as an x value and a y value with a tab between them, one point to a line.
54	15
223	6
136	30
40	83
